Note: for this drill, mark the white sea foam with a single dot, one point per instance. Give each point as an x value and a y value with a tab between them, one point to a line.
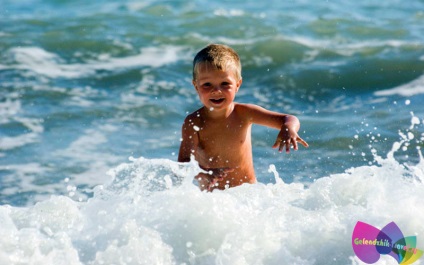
9	112
224	39
415	87
22	180
9	107
151	213
80	153
229	13
40	61
137	6
344	48
8	143
81	96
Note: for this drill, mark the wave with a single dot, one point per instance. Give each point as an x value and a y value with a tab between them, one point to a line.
415	87
42	62
10	107
151	213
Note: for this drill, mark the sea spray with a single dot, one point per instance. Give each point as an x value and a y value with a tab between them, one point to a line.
139	218
144	176
151	212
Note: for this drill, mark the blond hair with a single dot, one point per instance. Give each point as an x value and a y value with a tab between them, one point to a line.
218	56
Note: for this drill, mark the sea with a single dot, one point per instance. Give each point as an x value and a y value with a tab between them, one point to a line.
93	95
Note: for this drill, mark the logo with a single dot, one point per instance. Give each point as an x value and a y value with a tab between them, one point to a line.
369	243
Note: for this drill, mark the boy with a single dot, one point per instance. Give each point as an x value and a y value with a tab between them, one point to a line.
218	135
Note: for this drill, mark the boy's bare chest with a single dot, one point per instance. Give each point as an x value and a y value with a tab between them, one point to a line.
223	135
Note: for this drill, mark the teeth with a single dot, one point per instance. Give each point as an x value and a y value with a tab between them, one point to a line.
217	101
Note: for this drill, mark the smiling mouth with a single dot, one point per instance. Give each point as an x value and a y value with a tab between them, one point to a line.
217	101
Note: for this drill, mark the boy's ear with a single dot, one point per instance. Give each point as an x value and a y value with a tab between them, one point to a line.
239	85
194	84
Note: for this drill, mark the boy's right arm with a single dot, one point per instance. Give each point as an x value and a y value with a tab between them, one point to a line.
189	141
188	147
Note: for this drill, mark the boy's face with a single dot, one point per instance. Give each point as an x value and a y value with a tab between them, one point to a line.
216	88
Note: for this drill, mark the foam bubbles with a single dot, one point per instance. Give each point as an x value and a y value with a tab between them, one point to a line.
150	212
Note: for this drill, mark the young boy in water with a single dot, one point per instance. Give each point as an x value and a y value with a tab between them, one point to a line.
218	135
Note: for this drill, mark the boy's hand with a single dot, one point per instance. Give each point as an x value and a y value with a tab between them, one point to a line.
209	179
286	138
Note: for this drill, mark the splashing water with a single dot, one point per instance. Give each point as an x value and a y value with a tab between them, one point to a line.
151	213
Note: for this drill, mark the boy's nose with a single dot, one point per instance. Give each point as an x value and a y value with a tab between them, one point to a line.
216	89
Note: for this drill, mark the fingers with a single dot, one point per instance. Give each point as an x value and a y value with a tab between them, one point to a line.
294	144
215	175
221	173
277	143
282	144
286	144
227	170
303	142
212	184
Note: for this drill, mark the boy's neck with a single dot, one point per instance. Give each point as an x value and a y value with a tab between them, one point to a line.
219	114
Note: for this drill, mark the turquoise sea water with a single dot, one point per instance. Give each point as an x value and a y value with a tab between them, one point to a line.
84	85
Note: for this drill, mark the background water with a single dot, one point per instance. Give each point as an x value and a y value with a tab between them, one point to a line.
86	84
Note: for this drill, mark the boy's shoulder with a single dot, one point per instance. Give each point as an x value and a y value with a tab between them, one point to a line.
194	114
246	108
193	117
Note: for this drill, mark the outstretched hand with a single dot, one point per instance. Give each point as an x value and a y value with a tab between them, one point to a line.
286	138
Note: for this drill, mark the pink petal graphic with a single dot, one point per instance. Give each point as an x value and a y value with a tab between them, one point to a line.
362	234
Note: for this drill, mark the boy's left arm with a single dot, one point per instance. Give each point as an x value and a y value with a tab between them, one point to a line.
288	135
288	125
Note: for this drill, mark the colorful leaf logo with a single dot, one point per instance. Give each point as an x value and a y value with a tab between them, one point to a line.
369	243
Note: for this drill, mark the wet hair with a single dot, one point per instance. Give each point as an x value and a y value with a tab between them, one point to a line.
218	56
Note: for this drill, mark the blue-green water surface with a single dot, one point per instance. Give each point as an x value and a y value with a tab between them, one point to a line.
86	84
